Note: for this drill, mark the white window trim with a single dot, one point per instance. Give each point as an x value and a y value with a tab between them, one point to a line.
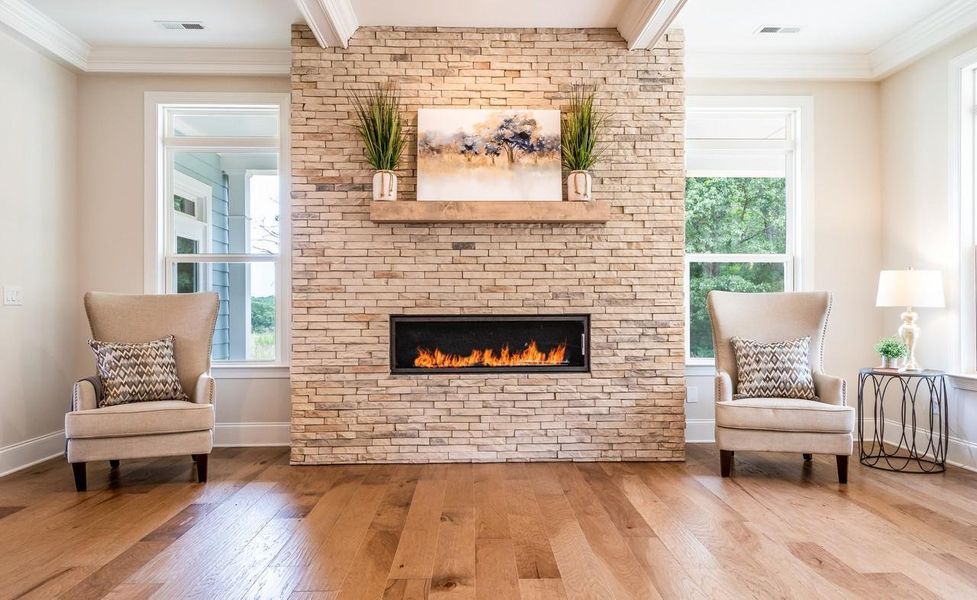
801	202
962	200
155	213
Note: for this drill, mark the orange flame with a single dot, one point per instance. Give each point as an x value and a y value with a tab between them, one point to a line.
532	355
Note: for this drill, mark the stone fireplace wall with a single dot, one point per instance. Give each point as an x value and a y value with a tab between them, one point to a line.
350	274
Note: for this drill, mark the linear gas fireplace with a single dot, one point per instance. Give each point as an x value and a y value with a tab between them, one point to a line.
432	344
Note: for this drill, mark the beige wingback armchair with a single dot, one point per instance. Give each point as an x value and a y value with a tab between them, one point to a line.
147	429
822	426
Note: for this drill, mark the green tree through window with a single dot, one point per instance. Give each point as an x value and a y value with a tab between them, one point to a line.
731	216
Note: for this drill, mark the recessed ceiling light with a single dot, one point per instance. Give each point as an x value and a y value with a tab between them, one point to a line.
775	29
185	25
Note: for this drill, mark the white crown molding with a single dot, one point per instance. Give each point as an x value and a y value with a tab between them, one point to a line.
732	65
938	28
332	22
194	61
645	21
52	38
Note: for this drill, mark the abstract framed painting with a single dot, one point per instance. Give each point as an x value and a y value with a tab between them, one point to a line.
488	154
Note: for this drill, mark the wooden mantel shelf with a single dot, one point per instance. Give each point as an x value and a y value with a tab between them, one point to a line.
412	211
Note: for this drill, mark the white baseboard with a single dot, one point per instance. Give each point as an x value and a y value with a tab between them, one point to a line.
30	452
252	434
700	431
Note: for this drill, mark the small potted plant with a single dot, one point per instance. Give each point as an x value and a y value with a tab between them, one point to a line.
580	129
381	129
891	349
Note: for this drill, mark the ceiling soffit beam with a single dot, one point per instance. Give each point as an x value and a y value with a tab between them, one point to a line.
744	65
940	26
332	22
39	29
646	21
196	61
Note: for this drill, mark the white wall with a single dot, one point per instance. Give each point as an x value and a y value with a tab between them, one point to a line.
847	230
111	188
38	250
918	229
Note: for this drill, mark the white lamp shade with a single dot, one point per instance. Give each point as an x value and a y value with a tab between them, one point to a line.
910	289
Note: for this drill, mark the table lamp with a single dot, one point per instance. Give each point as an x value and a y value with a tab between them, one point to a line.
912	289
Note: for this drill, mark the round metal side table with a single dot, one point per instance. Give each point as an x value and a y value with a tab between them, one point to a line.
919	430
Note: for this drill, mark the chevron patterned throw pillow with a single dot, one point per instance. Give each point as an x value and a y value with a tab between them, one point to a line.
775	370
137	372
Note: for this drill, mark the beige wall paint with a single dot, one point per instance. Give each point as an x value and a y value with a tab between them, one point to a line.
918	229
38	243
847	230
111	192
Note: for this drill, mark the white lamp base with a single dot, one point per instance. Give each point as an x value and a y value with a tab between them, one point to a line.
909	332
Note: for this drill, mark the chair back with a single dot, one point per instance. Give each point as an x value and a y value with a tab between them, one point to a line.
137	318
767	318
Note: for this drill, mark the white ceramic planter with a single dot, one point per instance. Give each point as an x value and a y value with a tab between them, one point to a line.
385	185
580	186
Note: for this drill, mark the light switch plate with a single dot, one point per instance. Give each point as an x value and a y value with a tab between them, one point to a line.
691	394
13	295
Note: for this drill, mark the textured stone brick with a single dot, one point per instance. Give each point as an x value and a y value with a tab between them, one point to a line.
350	274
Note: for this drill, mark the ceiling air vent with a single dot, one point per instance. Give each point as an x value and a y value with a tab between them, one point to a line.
774	29
185	25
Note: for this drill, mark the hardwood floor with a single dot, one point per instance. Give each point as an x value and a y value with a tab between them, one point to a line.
779	527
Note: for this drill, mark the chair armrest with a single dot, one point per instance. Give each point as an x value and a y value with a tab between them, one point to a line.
86	394
831	390
724	387
204	391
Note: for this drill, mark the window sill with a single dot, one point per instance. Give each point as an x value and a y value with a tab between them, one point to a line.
252	371
963	381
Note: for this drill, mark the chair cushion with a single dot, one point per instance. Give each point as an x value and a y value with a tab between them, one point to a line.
785	414
773	370
144	418
137	372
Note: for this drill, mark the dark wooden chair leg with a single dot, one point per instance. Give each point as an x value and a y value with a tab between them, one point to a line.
81	476
201	460
725	462
114	464
842	468
808	456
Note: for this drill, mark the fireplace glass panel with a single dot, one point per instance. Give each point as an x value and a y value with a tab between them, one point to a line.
489	343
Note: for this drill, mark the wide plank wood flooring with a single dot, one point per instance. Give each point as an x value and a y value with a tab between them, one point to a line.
779	528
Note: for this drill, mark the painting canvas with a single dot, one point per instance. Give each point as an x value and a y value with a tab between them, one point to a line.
476	154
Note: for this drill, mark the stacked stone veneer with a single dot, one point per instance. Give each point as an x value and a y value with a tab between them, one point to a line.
349	274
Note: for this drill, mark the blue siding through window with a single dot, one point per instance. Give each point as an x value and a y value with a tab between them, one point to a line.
206	167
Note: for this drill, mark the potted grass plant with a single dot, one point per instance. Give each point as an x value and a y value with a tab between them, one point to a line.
580	130
381	129
891	349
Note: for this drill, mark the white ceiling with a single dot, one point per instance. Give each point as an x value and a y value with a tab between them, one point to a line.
490	13
229	23
839	39
827	26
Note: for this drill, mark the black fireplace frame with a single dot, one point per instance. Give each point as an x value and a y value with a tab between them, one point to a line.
551	369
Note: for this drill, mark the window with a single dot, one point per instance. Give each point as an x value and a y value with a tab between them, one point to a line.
963	204
218	216
741	200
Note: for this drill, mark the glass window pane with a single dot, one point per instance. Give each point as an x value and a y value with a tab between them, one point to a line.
224	122
731	277
227	202
736	215
247	319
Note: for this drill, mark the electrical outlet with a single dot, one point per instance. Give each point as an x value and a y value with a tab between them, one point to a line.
13	295
691	394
